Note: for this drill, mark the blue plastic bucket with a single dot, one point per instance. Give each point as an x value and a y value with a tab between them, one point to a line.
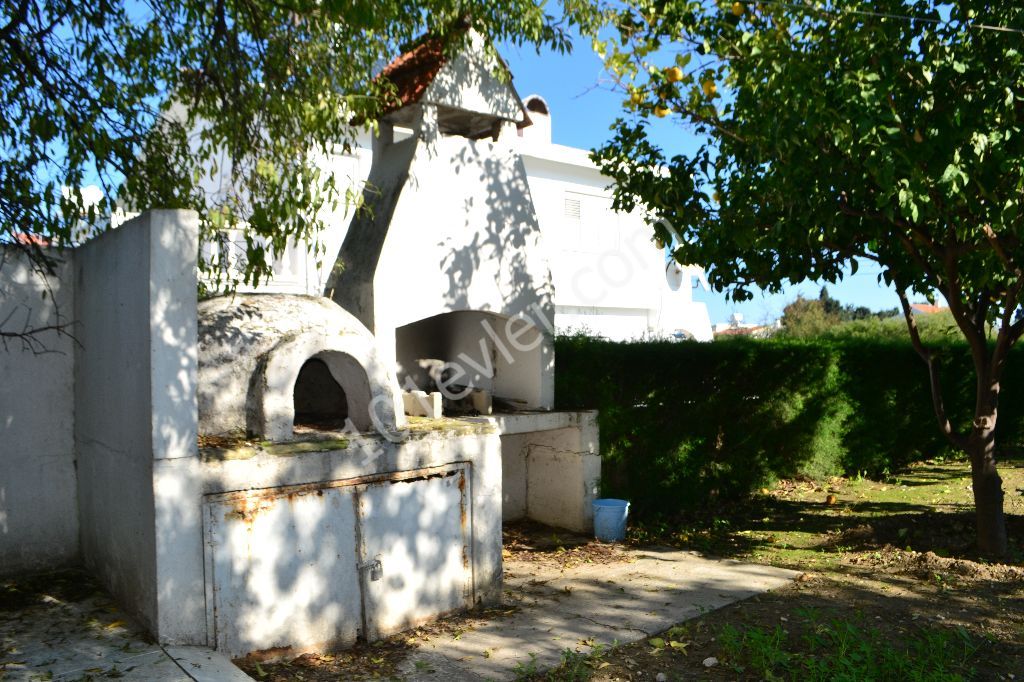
610	520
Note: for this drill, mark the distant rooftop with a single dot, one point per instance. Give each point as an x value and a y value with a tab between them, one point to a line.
927	308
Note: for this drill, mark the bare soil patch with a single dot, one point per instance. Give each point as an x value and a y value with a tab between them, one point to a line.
536	543
894	559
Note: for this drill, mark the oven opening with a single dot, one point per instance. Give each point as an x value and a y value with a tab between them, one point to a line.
320	402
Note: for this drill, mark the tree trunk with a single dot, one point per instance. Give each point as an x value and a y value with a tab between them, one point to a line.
988	487
980	444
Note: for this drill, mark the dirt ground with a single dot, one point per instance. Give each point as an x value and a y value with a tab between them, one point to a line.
894	557
898	594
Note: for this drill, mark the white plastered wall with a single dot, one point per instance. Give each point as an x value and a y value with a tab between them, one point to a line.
468	83
551	468
38	499
606	271
134	405
609	276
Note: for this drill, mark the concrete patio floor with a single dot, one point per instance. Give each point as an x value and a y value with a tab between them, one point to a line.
62	626
586	606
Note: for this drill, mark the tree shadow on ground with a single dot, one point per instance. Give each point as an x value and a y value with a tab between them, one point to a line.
930	475
973	626
768	524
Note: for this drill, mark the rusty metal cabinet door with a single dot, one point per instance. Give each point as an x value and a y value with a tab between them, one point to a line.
415	550
281	569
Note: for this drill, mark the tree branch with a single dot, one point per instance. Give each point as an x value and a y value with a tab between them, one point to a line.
964	317
17	19
30	337
907	242
951	434
1009	332
1000	251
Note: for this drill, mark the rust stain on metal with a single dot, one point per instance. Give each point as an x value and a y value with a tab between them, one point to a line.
317	487
264	498
247	508
463	517
462	502
419	477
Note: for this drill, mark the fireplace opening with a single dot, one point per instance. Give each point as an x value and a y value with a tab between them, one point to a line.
471	351
320	402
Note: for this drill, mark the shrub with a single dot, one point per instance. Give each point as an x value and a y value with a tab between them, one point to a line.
684	424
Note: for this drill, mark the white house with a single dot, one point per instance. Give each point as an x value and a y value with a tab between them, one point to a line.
609	278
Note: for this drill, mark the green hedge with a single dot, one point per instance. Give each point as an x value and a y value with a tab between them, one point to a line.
685	424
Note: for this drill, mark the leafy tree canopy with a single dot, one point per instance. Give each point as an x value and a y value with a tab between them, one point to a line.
837	132
833	132
937	329
810	317
807	318
220	106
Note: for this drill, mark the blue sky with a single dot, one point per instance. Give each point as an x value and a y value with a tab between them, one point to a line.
583	108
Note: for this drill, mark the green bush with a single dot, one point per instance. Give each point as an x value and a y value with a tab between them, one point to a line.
685	424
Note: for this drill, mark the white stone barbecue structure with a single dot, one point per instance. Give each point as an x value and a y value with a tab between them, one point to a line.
249	472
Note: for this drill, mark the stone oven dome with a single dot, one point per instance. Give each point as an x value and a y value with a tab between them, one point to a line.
257	351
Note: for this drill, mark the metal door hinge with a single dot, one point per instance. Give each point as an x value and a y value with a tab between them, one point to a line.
375	568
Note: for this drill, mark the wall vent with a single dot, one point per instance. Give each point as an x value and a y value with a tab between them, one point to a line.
572	209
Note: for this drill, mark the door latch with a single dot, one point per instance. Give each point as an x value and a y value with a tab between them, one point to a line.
375	568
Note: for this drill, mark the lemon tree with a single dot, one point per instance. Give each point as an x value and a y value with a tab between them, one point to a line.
835	133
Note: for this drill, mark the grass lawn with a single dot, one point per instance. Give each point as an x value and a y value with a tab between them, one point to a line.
890	590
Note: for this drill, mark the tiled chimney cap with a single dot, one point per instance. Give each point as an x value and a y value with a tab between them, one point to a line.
431	62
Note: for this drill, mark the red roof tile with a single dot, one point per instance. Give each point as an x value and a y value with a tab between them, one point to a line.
29	239
927	308
414	71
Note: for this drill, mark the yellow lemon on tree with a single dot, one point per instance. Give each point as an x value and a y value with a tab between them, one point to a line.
738	8
709	88
661	111
636	98
673	74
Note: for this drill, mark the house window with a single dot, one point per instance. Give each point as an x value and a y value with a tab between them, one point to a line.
590	223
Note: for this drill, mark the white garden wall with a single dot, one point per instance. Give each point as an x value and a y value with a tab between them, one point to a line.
134	392
38	507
